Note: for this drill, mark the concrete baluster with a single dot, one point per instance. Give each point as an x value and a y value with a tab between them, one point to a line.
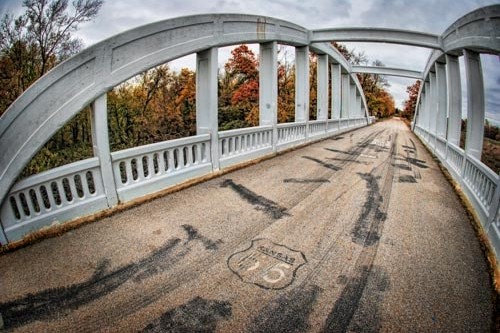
206	100
441	115
352	102
268	87
427	106
475	104
302	84
346	85
433	110
322	88
100	145
454	99
336	90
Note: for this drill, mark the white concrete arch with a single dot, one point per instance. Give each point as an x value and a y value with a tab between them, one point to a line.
391	71
377	35
478	30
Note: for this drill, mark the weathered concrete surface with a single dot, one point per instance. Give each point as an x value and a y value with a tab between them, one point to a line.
357	233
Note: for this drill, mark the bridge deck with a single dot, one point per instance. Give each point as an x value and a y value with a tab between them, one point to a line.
355	233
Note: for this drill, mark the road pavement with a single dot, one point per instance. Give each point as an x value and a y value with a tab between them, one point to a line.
356	233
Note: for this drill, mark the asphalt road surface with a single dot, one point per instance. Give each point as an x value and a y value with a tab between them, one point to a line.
357	233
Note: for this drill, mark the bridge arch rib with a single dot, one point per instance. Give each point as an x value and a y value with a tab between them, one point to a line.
391	71
377	35
85	79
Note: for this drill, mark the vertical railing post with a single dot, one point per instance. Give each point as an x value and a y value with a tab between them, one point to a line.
346	94
441	100
302	86
322	88
454	99
475	104
268	88
441	107
494	206
358	106
427	109
100	145
336	92
352	102
433	110
206	101
421	109
3	237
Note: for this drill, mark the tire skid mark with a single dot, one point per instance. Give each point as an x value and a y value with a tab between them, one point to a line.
345	159
194	234
307	287
268	206
197	315
413	163
416	172
177	278
320	162
305	180
287	313
340	317
48	304
354	153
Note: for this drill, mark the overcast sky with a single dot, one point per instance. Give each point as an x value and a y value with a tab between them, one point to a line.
423	15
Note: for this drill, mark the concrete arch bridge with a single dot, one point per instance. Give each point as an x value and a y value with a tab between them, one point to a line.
350	226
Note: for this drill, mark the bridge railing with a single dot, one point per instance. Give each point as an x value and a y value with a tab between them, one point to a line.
151	168
480	184
291	134
239	145
317	128
53	197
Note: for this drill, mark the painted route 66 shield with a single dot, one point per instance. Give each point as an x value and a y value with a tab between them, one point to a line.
267	264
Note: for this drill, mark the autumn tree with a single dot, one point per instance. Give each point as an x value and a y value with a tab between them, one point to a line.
411	103
32	44
313	85
378	99
286	87
239	90
37	40
157	105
